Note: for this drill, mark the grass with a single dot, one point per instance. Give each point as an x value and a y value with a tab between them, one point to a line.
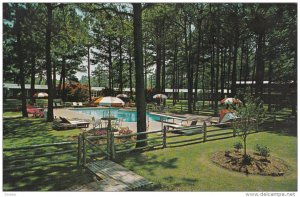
189	168
176	168
29	131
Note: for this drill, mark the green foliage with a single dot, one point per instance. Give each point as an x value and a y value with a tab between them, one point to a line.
238	146
247	159
250	116
108	92
149	94
263	151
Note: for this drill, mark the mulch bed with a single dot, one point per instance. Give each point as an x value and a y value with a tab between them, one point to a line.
233	160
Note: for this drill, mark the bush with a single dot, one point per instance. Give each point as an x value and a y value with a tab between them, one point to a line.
238	146
125	131
263	151
247	159
77	92
107	92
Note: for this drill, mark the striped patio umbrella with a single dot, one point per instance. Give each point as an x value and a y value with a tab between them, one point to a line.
98	100
111	101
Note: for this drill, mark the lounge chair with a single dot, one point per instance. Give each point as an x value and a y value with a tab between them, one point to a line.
74	104
35	111
78	123
175	126
80	104
59	105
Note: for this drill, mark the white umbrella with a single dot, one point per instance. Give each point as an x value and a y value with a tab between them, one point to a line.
160	96
41	95
109	100
122	96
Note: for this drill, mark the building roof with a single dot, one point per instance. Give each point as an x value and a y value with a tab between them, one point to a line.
27	86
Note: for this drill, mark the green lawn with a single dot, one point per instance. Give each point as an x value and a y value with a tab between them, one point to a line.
29	131
189	168
181	168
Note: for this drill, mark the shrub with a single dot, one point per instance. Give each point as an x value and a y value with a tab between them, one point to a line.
107	92
125	131
238	146
263	151
101	132
76	92
247	159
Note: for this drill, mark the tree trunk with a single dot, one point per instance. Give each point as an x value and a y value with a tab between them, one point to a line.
158	58
241	65
270	86
130	74
189	66
246	65
121	66
233	76
19	46
212	74
245	146
32	81
223	52
48	62
89	74
260	67
217	70
63	71
110	76
60	84
139	70
145	64
54	79
198	65
174	73
163	77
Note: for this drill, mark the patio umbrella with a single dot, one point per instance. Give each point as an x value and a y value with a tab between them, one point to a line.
122	96
160	96
41	95
98	100
230	101
109	101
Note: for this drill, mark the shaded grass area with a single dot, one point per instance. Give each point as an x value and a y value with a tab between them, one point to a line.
30	131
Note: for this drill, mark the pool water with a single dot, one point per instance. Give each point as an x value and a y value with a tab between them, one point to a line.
127	116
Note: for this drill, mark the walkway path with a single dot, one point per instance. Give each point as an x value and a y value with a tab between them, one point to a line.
113	177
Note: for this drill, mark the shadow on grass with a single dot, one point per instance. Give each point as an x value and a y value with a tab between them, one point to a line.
50	178
149	163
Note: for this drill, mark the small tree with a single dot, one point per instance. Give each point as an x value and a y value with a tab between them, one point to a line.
250	116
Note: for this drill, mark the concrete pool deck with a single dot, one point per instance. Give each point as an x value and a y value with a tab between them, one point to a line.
152	125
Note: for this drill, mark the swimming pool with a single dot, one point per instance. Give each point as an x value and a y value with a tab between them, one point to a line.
126	115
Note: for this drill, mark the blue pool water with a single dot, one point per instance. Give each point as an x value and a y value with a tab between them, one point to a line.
127	116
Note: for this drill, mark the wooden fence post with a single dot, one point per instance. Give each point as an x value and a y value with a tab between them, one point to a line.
79	150
204	131
112	146
165	137
84	149
181	105
234	132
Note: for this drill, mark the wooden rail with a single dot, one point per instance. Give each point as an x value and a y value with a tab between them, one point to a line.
9	160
